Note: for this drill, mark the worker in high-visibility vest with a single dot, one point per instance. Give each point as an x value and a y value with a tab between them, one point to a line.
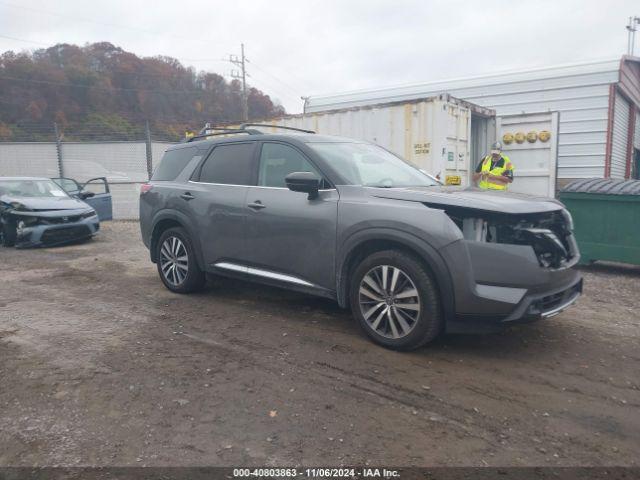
495	171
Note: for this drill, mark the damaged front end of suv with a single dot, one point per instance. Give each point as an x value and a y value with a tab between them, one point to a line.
549	234
511	267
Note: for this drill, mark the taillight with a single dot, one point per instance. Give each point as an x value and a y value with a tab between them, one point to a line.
145	187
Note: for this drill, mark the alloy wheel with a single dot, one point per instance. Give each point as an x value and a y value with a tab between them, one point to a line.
389	301
174	261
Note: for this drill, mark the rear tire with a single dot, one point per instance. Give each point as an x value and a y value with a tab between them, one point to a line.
395	300
9	235
176	262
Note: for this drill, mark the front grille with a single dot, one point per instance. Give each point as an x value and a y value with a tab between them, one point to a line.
551	302
65	234
60	220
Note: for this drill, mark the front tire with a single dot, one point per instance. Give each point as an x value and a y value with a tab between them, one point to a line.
176	262
395	300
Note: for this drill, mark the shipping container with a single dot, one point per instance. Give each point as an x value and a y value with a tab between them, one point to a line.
445	136
440	134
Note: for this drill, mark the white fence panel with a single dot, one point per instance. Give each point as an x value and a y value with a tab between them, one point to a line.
28	160
120	162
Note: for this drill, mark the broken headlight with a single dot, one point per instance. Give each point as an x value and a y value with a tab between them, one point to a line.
568	219
27	222
548	234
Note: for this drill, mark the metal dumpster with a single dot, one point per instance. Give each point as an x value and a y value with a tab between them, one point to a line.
606	217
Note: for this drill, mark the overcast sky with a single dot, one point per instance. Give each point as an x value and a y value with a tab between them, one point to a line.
309	47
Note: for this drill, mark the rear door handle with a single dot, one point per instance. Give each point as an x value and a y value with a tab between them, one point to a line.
257	205
187	196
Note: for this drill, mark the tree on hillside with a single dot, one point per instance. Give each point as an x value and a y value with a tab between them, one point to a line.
106	87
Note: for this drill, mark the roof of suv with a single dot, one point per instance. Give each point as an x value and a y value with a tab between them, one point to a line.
304	138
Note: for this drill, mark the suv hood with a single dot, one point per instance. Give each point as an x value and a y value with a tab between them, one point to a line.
474	198
44	203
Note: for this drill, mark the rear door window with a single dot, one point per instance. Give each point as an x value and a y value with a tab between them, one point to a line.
173	162
230	164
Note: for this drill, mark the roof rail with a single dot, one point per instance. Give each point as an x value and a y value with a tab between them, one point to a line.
212	131
222	131
244	125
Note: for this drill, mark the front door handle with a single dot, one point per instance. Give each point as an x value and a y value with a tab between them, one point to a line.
257	205
187	196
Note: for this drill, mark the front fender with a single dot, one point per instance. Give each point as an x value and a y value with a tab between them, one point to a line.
419	246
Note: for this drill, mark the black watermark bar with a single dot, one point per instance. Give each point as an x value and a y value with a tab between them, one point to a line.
392	473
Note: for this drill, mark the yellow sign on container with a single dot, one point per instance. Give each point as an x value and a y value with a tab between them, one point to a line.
452	180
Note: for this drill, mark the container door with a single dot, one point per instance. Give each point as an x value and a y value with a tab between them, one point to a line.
620	137
531	142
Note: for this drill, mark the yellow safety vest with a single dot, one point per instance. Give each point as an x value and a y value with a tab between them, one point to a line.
486	168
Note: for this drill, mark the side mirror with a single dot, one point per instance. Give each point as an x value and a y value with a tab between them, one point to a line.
306	182
84	195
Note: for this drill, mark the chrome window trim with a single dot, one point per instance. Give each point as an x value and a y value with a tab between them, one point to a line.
254	186
262	273
221	184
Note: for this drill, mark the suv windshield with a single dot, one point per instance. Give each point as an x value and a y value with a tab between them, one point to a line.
31	188
371	166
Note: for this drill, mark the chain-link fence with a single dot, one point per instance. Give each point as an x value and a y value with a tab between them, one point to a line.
87	154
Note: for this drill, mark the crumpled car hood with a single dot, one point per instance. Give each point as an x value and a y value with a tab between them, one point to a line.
44	204
475	198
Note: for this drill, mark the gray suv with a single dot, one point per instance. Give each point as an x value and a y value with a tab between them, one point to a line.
350	221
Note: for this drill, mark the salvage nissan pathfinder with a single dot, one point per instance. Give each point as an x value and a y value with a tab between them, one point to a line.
350	221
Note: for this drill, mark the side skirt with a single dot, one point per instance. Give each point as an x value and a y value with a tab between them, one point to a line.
267	277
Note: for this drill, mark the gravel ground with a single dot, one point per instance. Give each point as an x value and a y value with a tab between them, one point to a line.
101	365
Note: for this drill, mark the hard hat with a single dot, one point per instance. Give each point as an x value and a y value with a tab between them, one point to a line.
496	147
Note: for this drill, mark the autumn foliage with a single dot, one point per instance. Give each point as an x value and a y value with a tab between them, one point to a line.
102	86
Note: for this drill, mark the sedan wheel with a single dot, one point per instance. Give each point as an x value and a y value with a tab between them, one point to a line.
174	261
389	301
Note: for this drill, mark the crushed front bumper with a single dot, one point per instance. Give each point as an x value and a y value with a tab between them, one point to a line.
499	285
52	235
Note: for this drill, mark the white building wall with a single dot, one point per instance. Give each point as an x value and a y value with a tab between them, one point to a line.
579	92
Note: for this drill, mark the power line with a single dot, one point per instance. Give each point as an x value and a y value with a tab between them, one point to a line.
77	85
23	40
187	60
277	90
298	91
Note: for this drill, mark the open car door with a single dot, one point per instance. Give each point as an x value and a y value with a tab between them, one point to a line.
94	192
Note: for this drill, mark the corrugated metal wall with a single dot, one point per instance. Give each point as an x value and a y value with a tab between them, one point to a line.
620	136
579	92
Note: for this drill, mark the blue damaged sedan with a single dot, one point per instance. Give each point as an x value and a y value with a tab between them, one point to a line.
37	212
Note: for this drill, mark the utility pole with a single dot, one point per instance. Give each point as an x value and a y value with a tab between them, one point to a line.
242	75
631	36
